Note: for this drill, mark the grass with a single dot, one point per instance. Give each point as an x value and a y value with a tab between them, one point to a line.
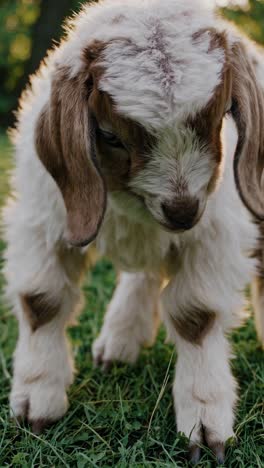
124	418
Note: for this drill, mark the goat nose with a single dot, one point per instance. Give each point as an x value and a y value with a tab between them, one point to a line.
181	214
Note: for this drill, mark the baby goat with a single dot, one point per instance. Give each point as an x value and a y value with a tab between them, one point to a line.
142	133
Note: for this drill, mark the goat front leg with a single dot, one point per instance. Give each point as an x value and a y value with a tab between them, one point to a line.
130	321
45	295
204	392
43	366
201	303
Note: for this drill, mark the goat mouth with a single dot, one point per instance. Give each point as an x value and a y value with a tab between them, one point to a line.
176	230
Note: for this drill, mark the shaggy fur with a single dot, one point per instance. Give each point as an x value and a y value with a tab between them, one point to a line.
152	105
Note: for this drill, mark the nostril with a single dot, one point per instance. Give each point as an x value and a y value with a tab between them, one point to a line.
182	213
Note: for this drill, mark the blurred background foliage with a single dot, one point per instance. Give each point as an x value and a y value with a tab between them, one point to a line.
29	27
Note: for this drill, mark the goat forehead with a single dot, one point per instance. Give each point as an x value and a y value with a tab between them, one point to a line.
159	73
158	67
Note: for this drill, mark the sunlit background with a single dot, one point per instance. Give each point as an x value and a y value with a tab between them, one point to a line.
28	27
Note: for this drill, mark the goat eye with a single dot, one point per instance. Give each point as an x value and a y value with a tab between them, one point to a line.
110	138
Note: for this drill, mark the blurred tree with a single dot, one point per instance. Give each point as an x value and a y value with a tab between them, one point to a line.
45	32
249	18
27	29
16	20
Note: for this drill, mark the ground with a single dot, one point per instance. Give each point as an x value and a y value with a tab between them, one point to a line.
124	418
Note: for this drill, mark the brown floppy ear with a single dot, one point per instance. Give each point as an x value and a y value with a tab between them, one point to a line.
248	112
64	143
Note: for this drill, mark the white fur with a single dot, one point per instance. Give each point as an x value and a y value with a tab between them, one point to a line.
43	366
43	370
213	267
204	388
178	166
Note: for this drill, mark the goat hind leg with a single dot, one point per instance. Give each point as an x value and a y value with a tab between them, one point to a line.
130	321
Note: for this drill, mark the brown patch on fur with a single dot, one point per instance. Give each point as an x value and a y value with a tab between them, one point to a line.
239	85
118	164
208	123
209	135
92	53
193	325
217	39
63	145
39	309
